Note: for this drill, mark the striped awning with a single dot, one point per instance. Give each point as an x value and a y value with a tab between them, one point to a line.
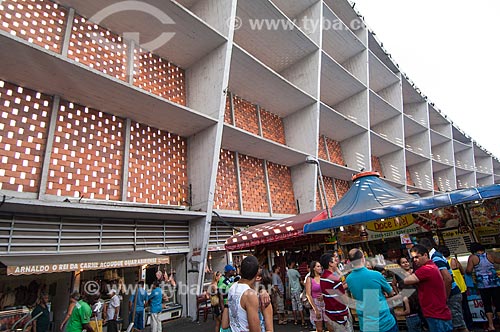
273	231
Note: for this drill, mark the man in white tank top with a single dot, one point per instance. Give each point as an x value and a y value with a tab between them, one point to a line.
243	300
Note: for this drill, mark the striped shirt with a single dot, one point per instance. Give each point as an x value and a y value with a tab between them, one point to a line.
333	290
442	264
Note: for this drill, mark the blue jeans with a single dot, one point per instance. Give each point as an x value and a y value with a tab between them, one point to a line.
414	324
394	328
439	325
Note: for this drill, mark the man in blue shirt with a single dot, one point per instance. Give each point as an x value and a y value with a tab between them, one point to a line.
155	301
137	306
367	288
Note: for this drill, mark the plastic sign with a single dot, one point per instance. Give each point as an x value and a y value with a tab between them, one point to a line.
390	224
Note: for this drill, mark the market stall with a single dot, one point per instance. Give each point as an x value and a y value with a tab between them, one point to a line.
376	225
23	278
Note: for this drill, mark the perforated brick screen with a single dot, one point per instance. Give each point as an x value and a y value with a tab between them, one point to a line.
281	188
335	151
228	118
157	167
226	190
272	127
342	187
376	166
98	48
24	121
159	76
409	181
87	154
245	115
253	185
39	22
321	148
330	193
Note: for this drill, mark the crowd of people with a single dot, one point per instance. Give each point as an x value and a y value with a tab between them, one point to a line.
427	292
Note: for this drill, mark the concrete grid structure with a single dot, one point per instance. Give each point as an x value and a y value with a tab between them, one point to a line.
124	127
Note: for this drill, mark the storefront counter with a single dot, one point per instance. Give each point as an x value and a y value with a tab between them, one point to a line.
170	311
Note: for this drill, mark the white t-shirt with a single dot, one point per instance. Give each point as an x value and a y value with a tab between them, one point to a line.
238	318
114	303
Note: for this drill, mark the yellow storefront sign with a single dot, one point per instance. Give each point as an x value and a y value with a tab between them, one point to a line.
390	224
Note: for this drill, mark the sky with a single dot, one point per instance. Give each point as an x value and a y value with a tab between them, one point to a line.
450	50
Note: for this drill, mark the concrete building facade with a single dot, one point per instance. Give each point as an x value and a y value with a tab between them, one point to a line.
126	125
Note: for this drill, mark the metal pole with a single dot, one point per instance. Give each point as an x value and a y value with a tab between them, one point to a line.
328	212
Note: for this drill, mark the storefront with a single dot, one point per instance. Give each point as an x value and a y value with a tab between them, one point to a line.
23	278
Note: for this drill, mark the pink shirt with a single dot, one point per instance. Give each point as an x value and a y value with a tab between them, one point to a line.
315	289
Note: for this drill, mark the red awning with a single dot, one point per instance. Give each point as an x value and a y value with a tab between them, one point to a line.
273	231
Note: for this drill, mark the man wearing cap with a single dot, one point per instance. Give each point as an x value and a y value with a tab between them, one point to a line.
112	311
225	282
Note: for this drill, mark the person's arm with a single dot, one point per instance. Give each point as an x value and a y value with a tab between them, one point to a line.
87	327
116	306
447	281
406	311
225	318
35	312
493	258
250	302
410	280
457	265
310	298
470	264
268	318
265	299
68	315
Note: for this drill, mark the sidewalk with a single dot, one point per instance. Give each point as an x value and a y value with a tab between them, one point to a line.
186	325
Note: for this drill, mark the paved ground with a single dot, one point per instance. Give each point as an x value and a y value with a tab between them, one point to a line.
186	325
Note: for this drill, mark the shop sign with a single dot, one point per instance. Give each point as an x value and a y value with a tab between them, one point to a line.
456	241
390	224
412	229
90	265
487	230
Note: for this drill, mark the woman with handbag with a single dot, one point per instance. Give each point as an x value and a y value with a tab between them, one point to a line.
213	291
314	295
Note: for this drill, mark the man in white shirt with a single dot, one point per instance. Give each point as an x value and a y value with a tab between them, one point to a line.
112	311
243	300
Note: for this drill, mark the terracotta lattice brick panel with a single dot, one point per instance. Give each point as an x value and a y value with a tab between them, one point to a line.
321	148
376	166
157	167
280	185
228	118
436	185
24	122
342	187
330	193
245	114
272	127
226	190
39	22
159	76
335	151
409	181
253	184
87	154
98	48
